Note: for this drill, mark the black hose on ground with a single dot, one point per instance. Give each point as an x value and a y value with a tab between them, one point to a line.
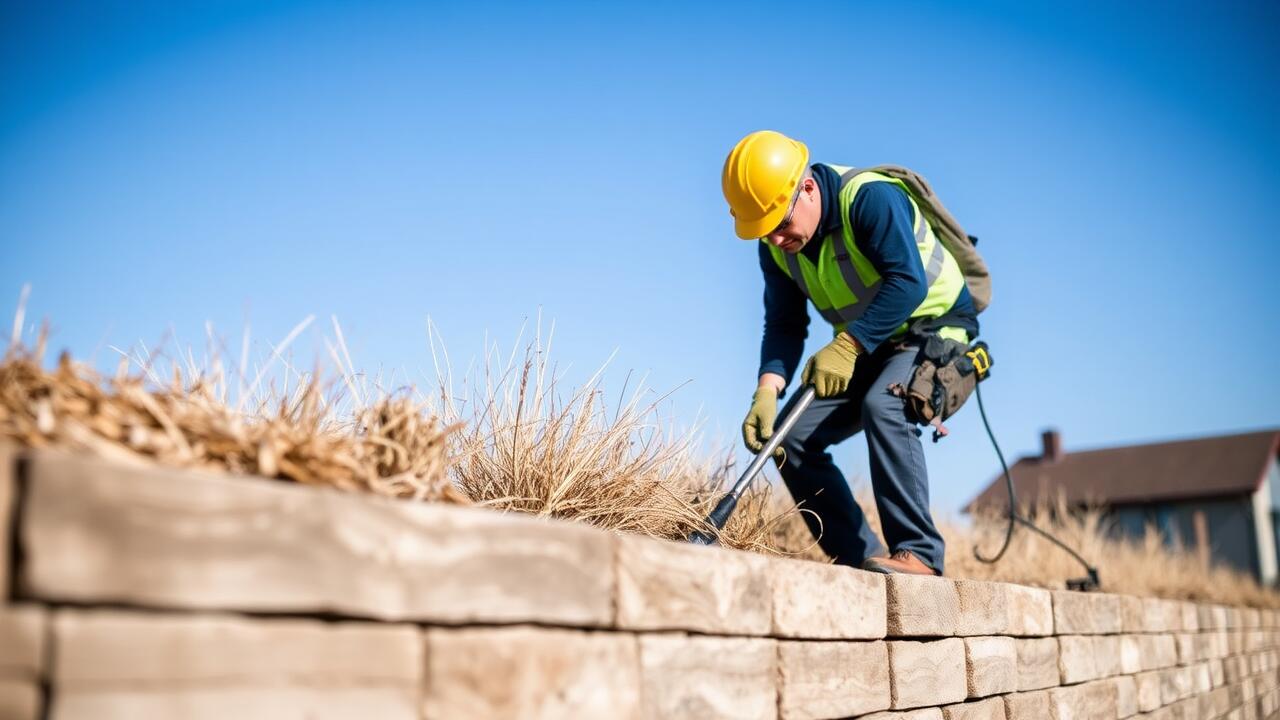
1091	581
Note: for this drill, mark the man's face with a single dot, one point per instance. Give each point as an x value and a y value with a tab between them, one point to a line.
799	226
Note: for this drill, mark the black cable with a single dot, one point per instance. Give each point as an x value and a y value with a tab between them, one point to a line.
1008	479
1016	518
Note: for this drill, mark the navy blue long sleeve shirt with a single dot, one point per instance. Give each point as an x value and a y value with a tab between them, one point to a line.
882	219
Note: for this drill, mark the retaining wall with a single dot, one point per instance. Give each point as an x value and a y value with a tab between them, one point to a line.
155	593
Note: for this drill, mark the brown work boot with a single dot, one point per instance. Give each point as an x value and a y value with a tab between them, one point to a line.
901	562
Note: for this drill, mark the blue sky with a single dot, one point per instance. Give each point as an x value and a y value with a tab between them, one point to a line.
164	164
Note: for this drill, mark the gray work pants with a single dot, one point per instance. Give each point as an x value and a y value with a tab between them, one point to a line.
898	475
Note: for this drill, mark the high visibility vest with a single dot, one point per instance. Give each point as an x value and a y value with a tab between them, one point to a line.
843	282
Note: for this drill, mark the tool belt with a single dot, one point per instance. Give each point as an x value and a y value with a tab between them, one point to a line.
945	375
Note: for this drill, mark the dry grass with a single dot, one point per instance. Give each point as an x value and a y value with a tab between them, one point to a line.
524	446
509	440
1148	566
390	446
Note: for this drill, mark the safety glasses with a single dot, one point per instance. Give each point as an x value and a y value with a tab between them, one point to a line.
791	210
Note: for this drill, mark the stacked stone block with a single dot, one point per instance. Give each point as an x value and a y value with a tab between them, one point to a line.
145	592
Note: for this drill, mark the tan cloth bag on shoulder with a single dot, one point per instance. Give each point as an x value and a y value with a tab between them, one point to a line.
961	245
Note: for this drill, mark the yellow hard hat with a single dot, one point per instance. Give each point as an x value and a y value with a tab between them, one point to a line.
760	176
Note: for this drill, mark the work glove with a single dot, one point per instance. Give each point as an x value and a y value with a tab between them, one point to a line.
830	369
758	427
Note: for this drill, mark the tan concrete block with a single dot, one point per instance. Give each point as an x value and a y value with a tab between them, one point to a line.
1222	643
1126	696
1207	645
114	664
8	490
1087	701
824	601
1248	689
1106	613
1203	646
665	585
1216	703
23	629
984	608
1030	611
1106	650
1133	619
708	677
1037	663
921	606
1235	668
1175	684
97	649
1131	654
1190	616
1186	645
1252	618
531	672
932	713
1255	640
1196	707
1027	705
1164	712
260	702
1210	645
1077	662
1172	611
1201	679
1269	703
1235	642
19	699
1235	618
832	679
1148	687
1211	617
1077	613
991	665
988	709
1161	615
1158	651
926	673
183	539
1216	674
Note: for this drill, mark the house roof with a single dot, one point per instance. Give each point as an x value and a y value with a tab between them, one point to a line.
1178	470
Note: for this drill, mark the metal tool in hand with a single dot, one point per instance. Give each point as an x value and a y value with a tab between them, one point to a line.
720	515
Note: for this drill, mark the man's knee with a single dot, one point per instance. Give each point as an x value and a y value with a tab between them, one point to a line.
880	408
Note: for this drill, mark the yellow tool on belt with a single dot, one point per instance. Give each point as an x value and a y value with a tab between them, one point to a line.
981	358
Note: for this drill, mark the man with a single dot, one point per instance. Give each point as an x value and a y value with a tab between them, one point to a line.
856	245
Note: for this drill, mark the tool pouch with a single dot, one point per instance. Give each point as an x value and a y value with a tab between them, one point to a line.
945	375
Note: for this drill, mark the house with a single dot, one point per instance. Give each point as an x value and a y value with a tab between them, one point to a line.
1218	495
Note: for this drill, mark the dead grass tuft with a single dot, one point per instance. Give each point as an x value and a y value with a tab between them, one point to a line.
390	447
1149	566
523	446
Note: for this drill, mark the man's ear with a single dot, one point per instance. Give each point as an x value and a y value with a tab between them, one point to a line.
809	184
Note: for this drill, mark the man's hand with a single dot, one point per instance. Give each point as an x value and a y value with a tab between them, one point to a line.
758	427
830	369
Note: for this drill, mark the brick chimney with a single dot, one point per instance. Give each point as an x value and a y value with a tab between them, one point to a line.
1051	446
